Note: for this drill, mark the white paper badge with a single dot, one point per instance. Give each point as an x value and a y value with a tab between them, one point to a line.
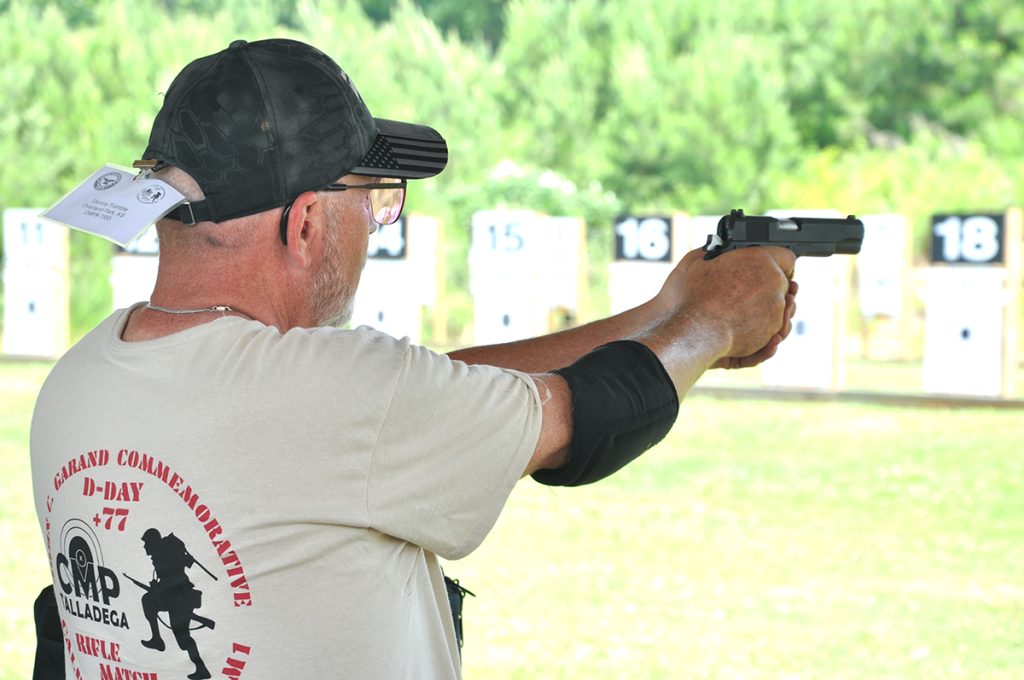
115	204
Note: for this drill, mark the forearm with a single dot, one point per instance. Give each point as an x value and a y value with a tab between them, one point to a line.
548	352
686	346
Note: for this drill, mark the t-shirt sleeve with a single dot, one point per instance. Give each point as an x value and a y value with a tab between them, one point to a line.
453	443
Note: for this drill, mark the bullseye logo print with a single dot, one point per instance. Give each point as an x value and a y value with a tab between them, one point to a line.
88	589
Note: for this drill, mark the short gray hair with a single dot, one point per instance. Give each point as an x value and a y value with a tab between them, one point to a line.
221	237
182	181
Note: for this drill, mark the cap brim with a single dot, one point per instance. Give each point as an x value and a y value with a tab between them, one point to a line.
404	150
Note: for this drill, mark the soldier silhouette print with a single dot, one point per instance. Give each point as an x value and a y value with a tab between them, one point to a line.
171	591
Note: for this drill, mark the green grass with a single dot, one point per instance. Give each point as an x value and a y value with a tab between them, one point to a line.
761	540
859	375
768	540
23	570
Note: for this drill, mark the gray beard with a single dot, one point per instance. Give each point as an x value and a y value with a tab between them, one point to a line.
332	303
333	298
336	318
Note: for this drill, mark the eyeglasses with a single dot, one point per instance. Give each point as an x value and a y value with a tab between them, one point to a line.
387	197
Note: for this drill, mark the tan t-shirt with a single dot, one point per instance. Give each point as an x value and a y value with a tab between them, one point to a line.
309	481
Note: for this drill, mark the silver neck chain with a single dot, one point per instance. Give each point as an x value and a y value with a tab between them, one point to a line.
223	309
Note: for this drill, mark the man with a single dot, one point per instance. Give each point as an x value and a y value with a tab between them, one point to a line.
319	473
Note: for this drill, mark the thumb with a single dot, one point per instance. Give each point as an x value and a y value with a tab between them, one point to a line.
785	258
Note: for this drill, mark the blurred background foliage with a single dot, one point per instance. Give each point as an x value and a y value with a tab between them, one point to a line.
587	107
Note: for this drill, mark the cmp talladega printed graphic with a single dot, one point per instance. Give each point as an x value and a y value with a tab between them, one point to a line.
148	582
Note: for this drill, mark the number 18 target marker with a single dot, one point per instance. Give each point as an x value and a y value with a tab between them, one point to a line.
967	239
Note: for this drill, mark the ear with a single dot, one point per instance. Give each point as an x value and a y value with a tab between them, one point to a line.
305	221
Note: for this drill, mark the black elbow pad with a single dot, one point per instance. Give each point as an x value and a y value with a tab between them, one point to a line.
623	403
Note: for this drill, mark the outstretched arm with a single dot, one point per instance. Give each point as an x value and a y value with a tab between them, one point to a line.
699	300
548	352
730	312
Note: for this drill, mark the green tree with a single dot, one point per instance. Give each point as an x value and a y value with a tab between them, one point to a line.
552	88
481	20
704	130
878	104
935	172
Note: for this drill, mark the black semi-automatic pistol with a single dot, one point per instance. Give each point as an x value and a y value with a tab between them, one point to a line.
815	236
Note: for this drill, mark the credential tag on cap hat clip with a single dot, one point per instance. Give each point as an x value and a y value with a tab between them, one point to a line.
115	203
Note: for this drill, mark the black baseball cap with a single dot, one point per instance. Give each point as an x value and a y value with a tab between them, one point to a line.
261	122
